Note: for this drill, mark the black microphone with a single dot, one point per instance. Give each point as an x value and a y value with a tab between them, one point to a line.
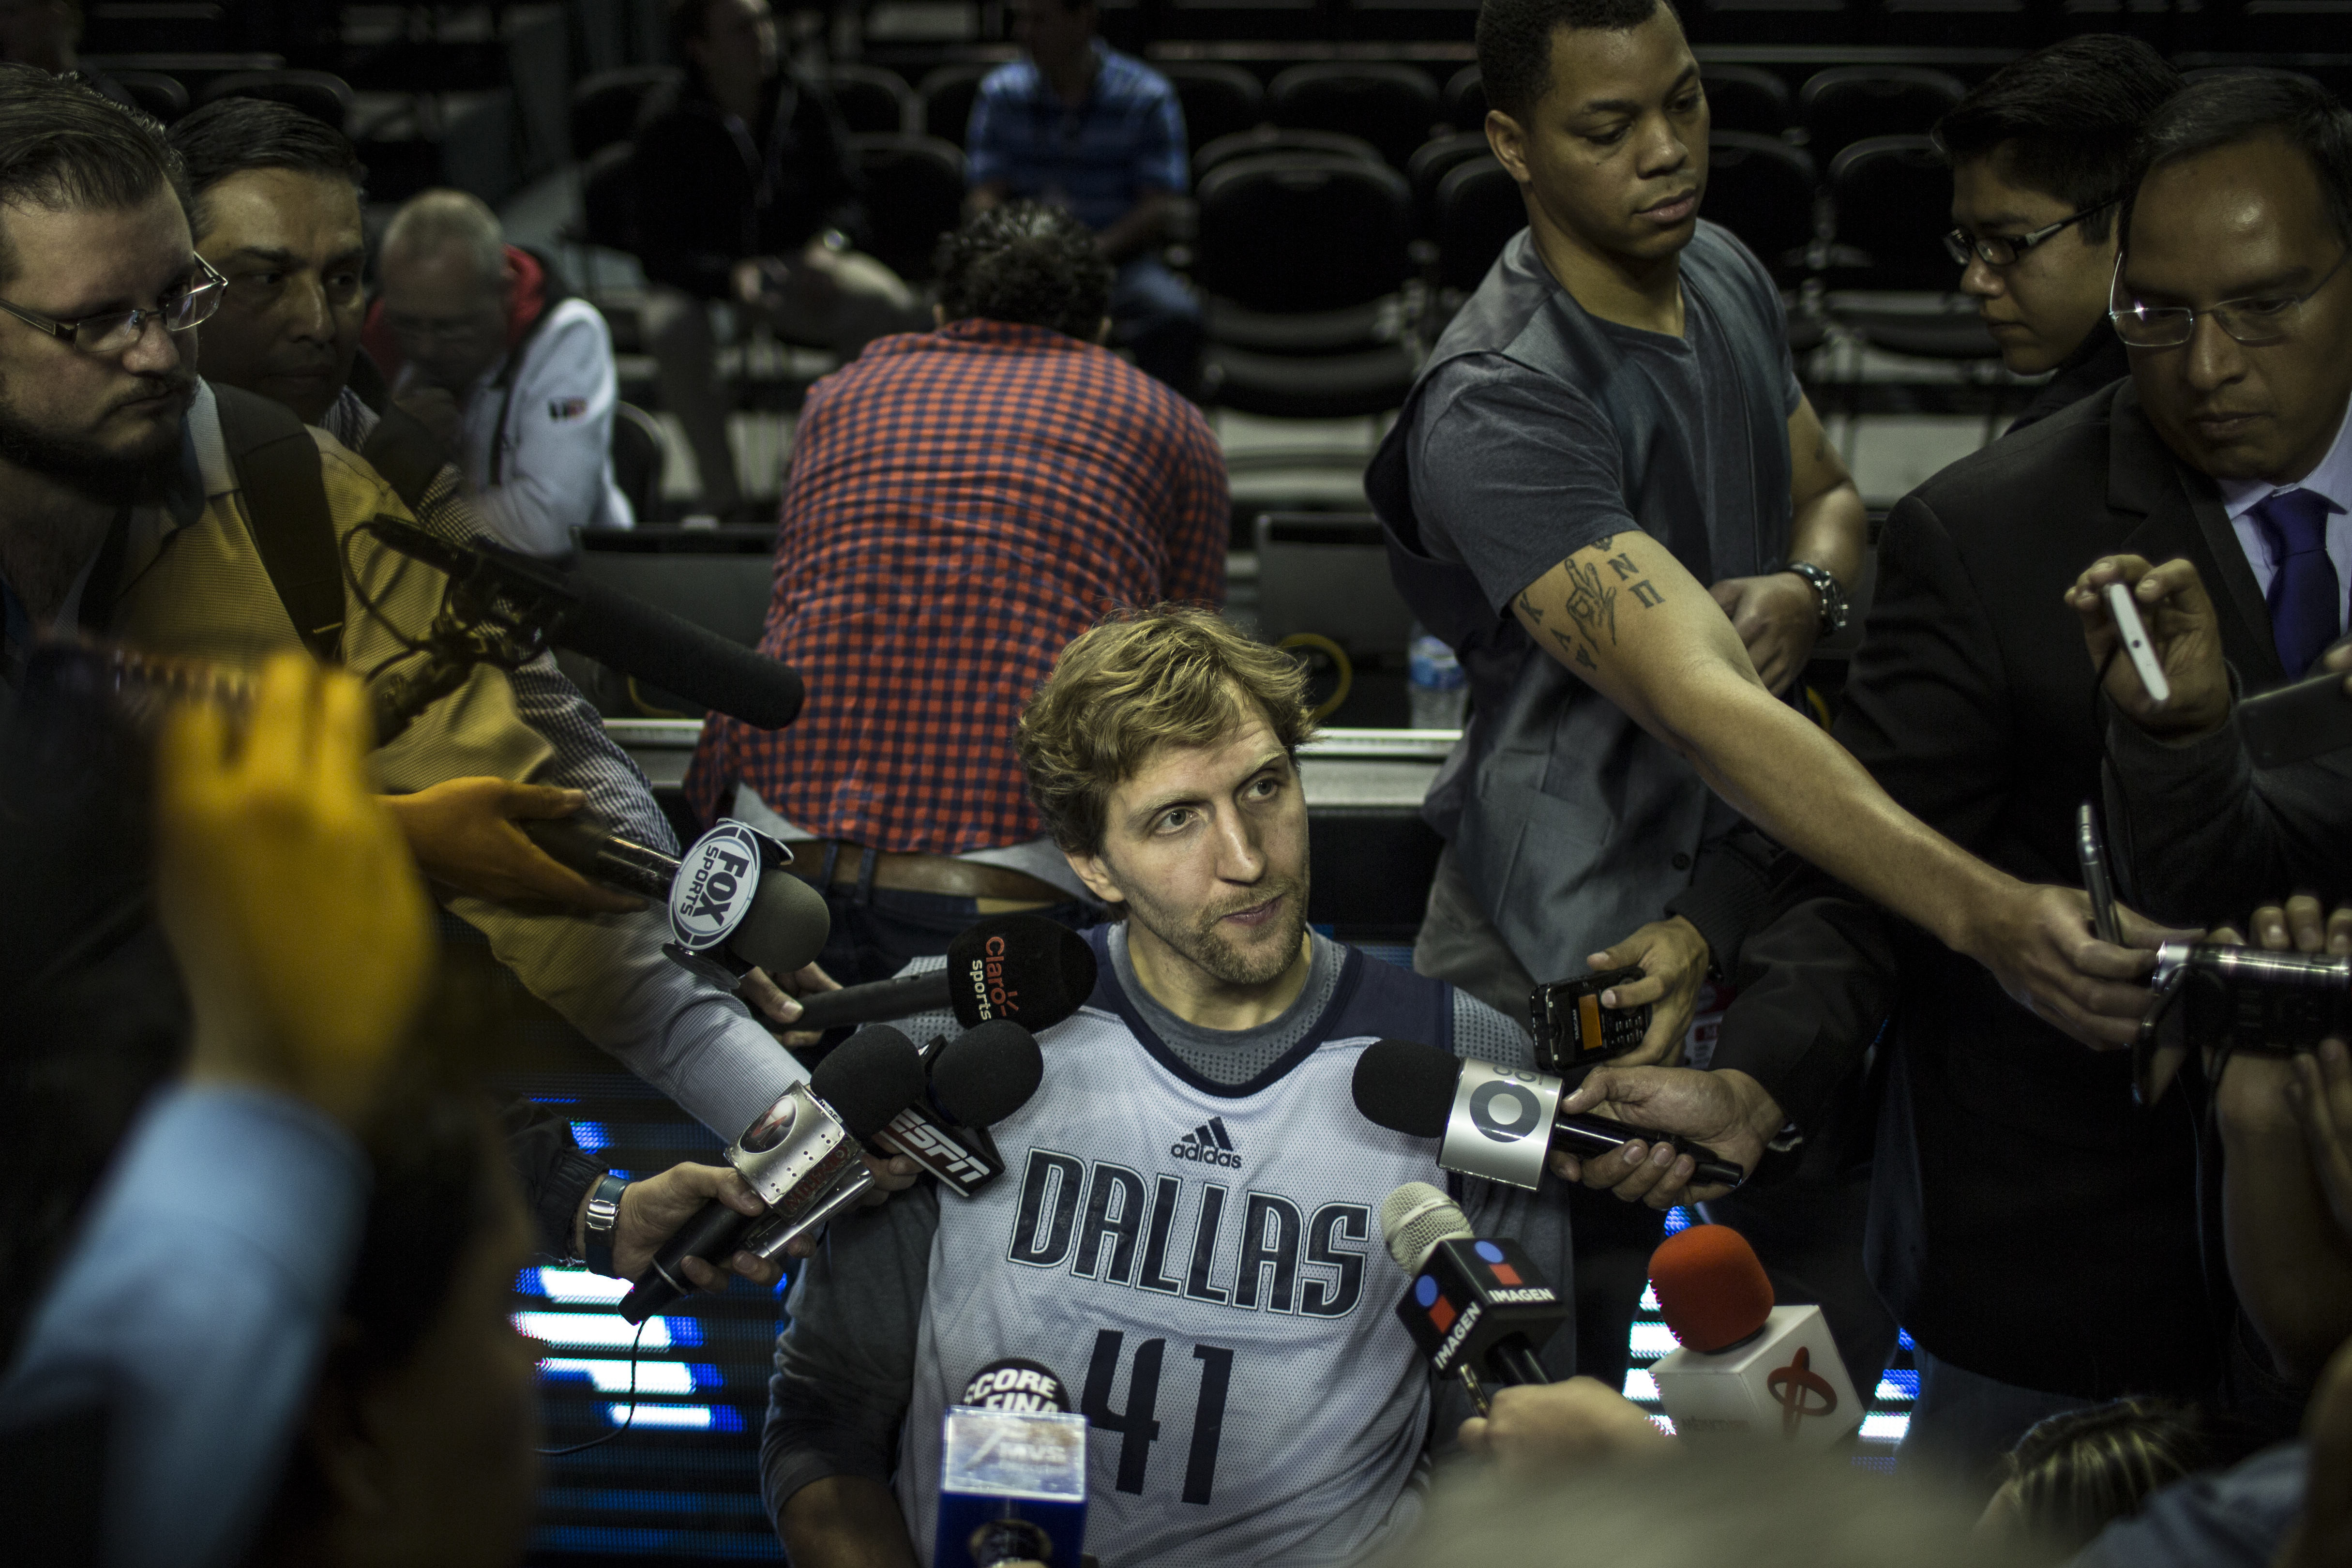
1488	1117
613	628
1022	967
1478	1309
792	1154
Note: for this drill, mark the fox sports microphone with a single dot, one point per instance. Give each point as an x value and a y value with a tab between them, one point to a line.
1022	967
977	1079
1478	1309
1012	1471
1494	1122
793	1153
732	905
1745	1368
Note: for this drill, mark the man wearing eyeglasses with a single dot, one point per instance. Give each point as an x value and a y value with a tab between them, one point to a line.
2039	152
2035	1230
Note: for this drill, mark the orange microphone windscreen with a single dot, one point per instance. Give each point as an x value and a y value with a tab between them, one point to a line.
1711	1289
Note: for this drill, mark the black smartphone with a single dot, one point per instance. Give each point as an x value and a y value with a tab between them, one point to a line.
2296	722
1573	1031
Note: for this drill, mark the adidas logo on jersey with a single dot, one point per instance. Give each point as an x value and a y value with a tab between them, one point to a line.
1207	1144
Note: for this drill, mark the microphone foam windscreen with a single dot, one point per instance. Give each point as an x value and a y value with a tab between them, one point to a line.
1711	1289
1022	967
987	1073
1406	1086
786	926
1415	1218
870	1078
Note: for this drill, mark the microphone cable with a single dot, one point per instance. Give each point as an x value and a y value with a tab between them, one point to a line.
626	1421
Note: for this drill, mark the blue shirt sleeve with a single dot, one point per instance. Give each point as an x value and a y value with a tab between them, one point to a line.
195	1304
1160	157
986	161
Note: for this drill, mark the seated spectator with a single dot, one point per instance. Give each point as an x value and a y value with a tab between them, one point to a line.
2040	152
962	503
530	364
1080	125
746	197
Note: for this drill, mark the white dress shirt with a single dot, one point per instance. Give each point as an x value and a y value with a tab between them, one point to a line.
2332	478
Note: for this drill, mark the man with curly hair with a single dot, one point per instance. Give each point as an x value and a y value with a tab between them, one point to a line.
962	503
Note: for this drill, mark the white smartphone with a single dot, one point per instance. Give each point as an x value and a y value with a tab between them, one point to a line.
2129	626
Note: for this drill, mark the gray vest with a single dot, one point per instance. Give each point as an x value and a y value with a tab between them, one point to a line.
1571	824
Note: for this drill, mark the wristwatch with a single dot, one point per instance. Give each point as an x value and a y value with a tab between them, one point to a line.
602	1217
1825	588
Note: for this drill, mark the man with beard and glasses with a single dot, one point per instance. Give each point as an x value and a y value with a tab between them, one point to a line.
1188	1212
122	516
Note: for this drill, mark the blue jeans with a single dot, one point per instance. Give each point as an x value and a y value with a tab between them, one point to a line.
1963	1421
1156	318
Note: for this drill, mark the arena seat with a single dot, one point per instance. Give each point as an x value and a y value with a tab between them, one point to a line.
1428	165
1391	106
914	194
1745	97
1302	256
1465	100
608	197
158	93
322	95
605	107
1891	200
873	101
1846	104
1269	139
946	95
640	459
1478	209
1764	191
1219	99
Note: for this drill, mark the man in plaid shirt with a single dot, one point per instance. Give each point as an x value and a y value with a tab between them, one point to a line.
961	504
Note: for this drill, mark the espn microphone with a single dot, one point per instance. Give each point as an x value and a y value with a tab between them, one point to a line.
977	1079
614	629
1494	1122
1022	967
733	907
792	1154
1747	1368
1478	1309
1012	1471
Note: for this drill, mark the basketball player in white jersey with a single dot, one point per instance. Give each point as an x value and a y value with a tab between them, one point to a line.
1186	1232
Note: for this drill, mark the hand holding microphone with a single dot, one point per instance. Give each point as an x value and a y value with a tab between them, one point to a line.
1025	968
1724	1110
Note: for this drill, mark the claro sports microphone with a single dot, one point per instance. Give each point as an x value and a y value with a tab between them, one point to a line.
1478	1309
627	634
977	1079
792	1154
1022	967
1013	1472
1492	1121
737	908
1747	1368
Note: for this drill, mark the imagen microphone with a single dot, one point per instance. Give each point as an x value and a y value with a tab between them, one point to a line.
1495	1122
1012	1471
793	1153
1022	967
737	908
1478	1309
613	628
977	1079
1746	1369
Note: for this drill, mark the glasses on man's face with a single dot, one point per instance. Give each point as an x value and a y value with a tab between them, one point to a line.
190	304
2252	322
2002	249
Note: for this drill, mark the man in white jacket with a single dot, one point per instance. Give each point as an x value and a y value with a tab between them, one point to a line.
529	365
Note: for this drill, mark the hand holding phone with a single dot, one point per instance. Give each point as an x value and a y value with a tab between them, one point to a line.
2137	648
2091	849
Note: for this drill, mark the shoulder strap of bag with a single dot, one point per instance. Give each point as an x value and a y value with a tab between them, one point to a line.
285	503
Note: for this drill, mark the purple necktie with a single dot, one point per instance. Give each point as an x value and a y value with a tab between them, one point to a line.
2306	601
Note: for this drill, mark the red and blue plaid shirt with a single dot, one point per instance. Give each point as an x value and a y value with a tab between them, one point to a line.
962	503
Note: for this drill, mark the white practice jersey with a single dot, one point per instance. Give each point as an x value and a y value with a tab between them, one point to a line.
1202	1266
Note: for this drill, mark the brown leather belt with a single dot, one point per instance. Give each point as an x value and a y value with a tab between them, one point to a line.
924	874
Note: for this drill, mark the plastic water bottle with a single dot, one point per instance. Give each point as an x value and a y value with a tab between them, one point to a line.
1438	688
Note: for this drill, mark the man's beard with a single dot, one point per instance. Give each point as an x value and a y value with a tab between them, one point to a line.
110	478
1209	948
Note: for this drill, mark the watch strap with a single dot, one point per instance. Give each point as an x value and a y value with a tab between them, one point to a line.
1827	590
603	1218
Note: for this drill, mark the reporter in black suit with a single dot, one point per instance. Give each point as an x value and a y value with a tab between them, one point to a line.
2035	1232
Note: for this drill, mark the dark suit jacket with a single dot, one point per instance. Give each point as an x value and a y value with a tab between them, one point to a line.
2029	1222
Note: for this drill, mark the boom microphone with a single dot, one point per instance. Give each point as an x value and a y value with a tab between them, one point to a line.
1493	1121
1745	1366
794	1154
1022	967
613	628
1478	1309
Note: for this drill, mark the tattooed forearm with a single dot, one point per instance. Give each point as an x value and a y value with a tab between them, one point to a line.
1591	603
1629	571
